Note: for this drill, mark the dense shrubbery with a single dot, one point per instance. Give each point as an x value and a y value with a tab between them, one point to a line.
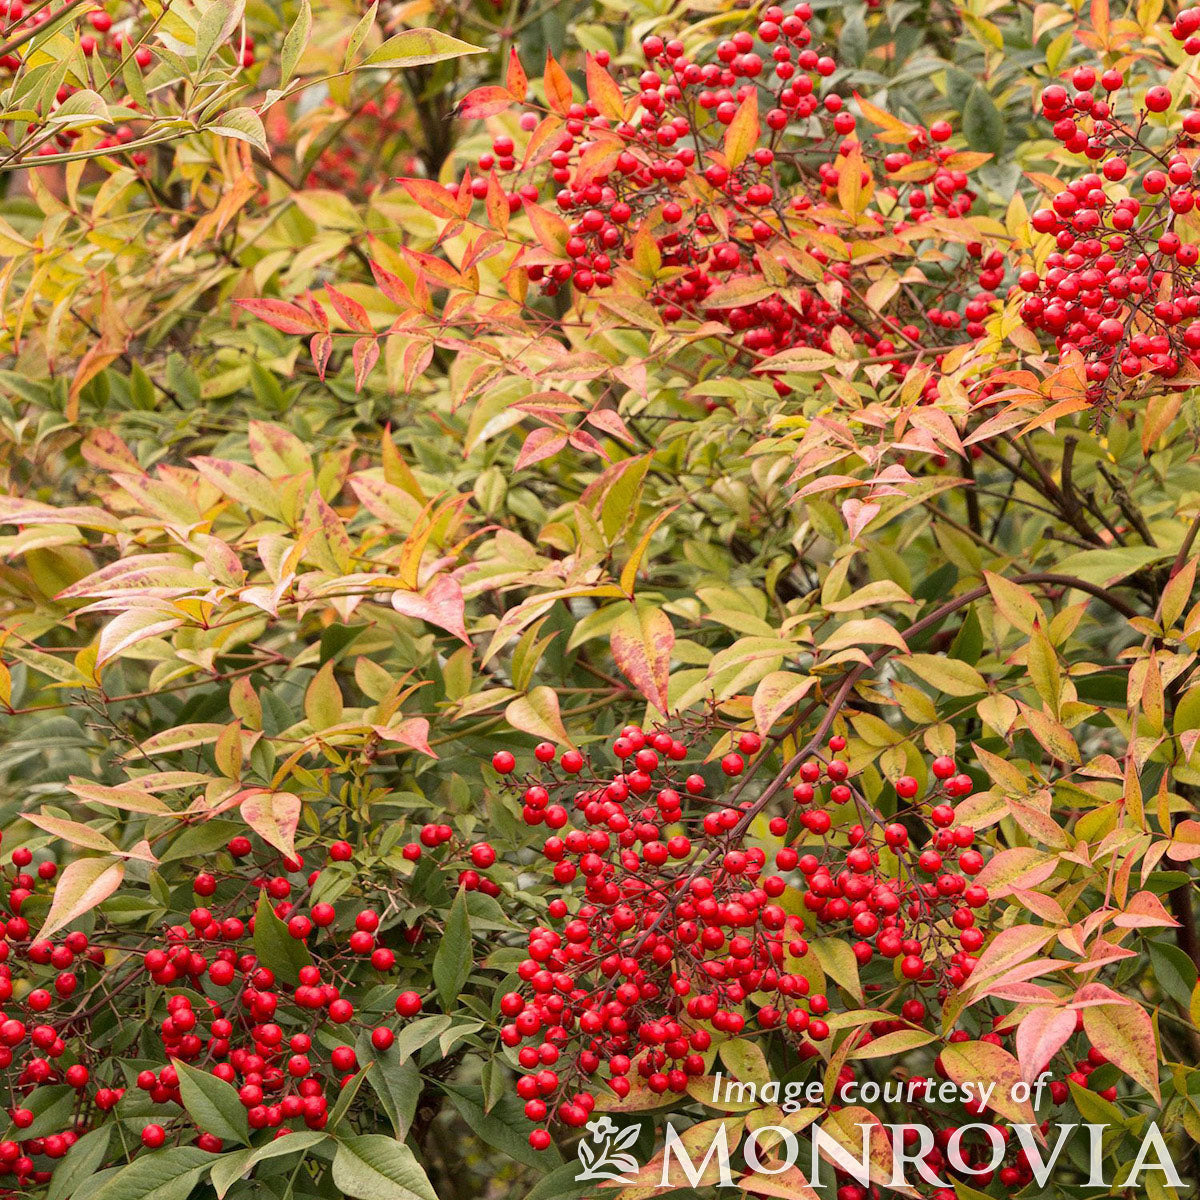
526	589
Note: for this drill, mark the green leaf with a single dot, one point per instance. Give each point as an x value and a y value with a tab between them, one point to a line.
229	1168
295	42
393	1078
244	125
454	958
213	1104
81	1162
359	35
1174	970
983	123
505	1127
346	1096
275	947
374	1167
164	1175
414	47
216	26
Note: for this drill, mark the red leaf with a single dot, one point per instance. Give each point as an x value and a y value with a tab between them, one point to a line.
434	198
442	605
349	310
484	102
392	286
279	314
552	231
366	355
1040	1035
321	347
516	80
1124	1034
540	444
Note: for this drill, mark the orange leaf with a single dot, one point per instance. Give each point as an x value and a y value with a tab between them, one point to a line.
515	79
558	86
603	91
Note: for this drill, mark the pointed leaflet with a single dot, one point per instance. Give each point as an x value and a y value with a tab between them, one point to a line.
442	605
981	1062
455	954
212	1104
375	1167
603	91
274	816
1124	1034
537	714
1040	1035
776	694
83	885
642	640
483	102
279	314
515	78
742	135
558	86
416	47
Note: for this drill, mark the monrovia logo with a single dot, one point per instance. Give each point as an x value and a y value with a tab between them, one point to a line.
602	1152
603	1155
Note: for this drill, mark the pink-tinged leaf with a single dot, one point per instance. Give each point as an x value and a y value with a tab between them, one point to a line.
131	627
315	307
484	102
1022	867
608	421
321	347
1009	948
349	310
1185	842
83	884
392	286
778	693
413	733
1144	910
515	79
366	355
274	816
538	715
1124	1034
583	441
1040	1035
858	514
540	444
441	605
279	314
642	640
983	1063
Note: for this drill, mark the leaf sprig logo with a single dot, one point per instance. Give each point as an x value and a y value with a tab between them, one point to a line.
602	1153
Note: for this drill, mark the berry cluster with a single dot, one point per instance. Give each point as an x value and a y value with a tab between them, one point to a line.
1121	288
676	929
676	190
286	1042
